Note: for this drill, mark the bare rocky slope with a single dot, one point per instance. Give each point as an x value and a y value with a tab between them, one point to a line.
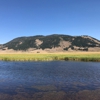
54	43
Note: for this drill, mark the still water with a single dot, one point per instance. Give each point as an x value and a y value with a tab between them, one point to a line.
55	80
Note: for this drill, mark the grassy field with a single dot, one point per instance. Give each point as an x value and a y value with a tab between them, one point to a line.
76	56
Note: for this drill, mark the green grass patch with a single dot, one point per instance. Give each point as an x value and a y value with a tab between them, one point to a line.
50	57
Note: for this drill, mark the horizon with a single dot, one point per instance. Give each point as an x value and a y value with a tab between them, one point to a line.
48	35
35	17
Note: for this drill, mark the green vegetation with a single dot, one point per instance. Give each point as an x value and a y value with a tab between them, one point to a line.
51	41
50	57
83	42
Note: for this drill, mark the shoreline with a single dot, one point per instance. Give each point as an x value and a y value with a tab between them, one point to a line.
65	56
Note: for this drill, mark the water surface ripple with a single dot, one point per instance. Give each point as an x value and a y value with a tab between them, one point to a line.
53	80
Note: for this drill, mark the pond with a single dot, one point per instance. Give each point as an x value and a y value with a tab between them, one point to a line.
52	80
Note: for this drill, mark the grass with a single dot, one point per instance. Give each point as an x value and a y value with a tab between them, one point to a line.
75	56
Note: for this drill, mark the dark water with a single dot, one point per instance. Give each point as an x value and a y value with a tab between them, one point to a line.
56	80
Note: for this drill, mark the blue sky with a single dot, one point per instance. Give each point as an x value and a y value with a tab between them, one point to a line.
44	17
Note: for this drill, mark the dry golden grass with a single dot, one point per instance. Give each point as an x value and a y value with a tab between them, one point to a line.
26	56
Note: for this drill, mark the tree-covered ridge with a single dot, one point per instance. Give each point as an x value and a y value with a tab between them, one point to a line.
51	41
83	42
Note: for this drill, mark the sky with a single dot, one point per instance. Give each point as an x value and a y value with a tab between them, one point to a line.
44	17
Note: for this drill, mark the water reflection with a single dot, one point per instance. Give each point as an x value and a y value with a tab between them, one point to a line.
56	80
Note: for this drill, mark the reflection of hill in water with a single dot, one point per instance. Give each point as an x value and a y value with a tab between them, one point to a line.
52	95
55	80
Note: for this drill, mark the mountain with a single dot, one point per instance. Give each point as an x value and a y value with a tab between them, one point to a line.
1	46
53	42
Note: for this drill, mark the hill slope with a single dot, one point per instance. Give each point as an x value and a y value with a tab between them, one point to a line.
53	42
